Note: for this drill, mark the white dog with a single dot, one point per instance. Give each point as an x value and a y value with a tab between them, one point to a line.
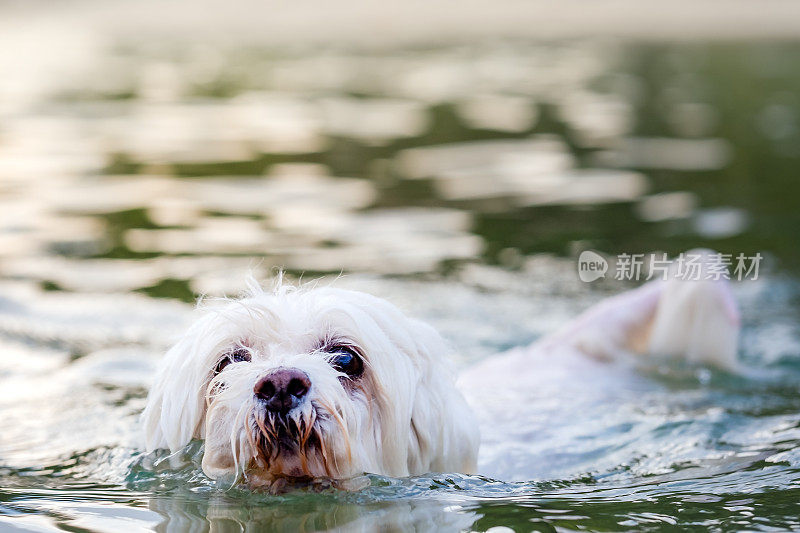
304	383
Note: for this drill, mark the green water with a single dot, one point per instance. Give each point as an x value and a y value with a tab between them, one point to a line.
130	191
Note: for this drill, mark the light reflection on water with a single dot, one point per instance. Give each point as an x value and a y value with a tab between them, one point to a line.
454	181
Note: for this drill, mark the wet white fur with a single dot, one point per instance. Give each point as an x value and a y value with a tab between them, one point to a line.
696	320
408	419
692	318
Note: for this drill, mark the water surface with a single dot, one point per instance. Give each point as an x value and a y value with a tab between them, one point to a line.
459	181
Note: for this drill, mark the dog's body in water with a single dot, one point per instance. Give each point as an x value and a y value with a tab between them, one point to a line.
321	383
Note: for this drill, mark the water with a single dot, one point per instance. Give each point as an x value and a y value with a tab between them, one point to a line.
457	180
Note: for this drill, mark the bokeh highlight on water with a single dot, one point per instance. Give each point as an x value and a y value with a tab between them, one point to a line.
460	180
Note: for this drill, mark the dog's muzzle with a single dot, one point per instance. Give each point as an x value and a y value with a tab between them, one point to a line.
282	390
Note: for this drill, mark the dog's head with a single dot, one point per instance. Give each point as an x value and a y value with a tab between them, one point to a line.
311	382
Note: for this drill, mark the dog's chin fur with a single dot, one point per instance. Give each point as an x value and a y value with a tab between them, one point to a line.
402	416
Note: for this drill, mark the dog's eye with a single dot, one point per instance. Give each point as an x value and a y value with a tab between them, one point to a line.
236	356
345	359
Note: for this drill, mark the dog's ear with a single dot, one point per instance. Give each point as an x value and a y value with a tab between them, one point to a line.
425	424
175	406
444	434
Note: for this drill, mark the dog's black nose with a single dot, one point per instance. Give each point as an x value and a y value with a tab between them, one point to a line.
282	389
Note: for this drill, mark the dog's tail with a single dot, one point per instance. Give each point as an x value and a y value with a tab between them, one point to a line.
692	317
696	319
